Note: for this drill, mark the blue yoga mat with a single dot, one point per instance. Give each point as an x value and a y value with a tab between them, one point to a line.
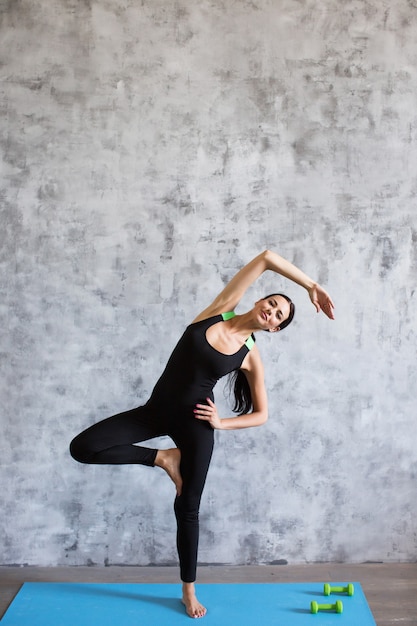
272	604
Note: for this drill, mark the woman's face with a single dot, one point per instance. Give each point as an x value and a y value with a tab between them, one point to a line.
272	312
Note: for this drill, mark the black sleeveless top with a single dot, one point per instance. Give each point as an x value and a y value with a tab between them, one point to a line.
194	367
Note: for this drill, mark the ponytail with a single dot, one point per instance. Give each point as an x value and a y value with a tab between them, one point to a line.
238	384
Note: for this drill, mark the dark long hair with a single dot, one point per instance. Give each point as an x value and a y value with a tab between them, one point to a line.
239	387
238	383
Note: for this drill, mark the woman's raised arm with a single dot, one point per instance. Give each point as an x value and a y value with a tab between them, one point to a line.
231	295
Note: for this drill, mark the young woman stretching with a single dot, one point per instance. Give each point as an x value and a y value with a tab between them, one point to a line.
216	343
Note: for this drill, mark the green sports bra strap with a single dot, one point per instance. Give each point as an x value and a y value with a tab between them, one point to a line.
250	342
228	315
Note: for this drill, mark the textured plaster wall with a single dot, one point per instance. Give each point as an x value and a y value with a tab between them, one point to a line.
148	150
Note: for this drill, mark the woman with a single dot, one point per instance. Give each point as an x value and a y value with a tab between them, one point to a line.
216	343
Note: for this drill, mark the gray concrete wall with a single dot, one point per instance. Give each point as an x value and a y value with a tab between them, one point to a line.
148	150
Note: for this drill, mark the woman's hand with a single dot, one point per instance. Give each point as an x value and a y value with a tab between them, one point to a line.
208	413
321	300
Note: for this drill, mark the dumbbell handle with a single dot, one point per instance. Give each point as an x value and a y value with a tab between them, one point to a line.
316	607
328	589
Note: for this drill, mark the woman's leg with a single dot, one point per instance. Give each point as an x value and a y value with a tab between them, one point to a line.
196	444
111	440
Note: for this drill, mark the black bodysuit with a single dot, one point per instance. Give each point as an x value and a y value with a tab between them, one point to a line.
188	379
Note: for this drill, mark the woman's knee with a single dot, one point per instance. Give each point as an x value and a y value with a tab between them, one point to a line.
187	508
79	451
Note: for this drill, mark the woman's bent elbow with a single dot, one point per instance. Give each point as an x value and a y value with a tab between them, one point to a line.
263	418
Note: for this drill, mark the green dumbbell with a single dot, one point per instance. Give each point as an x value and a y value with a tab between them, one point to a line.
328	589
316	607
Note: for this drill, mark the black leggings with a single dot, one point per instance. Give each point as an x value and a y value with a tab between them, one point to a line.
111	442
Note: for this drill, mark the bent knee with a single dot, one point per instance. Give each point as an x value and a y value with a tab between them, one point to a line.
79	452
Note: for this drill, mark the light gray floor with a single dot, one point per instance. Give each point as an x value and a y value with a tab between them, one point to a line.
391	589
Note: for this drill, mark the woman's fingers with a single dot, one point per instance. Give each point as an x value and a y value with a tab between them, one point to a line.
327	308
207	412
203	410
322	301
200	411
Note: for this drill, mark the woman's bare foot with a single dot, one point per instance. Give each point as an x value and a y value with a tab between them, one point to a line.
189	599
170	460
